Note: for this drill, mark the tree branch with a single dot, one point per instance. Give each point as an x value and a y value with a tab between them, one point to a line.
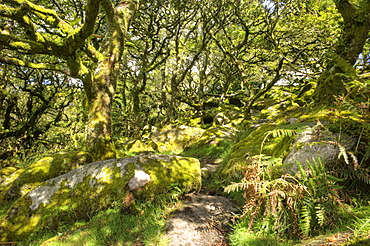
266	89
77	40
44	66
47	15
14	43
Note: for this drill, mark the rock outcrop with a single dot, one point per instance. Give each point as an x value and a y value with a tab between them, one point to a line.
23	180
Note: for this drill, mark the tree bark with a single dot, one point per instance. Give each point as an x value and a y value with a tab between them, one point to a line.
100	88
349	46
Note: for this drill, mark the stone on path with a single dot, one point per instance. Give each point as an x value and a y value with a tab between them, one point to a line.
204	220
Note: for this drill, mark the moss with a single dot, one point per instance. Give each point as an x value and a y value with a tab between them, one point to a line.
212	142
181	172
331	82
139	146
174	138
255	144
67	203
44	169
84	191
8	175
7	171
102	149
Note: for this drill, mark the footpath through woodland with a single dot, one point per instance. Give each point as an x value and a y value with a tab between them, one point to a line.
204	219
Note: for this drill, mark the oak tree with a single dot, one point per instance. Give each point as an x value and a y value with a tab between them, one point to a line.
82	39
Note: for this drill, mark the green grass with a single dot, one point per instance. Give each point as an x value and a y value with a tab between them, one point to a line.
112	228
359	226
242	237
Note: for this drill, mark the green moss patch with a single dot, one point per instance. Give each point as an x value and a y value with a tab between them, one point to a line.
267	140
41	170
167	172
138	146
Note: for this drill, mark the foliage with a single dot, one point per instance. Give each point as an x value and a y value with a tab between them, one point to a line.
39	113
268	141
178	58
183	61
293	206
113	228
360	226
242	237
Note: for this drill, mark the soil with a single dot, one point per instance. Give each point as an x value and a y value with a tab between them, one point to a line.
204	219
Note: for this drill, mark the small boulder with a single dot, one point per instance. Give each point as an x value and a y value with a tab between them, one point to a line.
138	147
46	168
174	138
315	144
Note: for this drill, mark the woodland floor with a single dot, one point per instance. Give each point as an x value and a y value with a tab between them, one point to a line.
204	219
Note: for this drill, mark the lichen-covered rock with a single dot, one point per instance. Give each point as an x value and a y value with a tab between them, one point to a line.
227	114
93	187
46	168
173	138
316	144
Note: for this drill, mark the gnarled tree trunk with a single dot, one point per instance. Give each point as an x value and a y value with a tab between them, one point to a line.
101	85
350	44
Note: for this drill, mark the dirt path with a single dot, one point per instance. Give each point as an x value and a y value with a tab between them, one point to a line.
204	219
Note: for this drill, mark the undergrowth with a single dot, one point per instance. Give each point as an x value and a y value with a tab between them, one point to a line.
292	207
113	228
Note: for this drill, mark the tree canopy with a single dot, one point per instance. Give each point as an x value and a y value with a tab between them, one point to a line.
125	64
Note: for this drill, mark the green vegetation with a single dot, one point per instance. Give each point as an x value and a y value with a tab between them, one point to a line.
230	82
114	228
290	206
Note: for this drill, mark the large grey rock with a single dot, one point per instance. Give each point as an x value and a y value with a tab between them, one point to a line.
88	189
315	144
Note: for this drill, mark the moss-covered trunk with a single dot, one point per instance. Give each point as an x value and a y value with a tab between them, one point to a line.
354	34
99	125
101	85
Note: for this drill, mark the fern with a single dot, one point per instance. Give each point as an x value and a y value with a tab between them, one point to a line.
305	222
320	215
290	205
285	131
236	187
321	200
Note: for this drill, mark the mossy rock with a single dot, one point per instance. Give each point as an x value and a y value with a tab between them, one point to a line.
85	190
174	139
138	146
41	170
